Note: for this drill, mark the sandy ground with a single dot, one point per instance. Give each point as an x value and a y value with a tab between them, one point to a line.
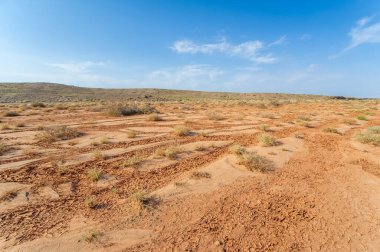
322	193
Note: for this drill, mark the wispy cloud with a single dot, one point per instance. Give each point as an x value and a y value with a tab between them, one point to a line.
364	32
280	41
251	50
305	36
77	67
193	75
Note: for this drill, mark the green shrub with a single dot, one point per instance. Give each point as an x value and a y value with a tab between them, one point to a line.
362	118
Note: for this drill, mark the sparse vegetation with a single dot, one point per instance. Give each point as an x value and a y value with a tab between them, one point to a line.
154	117
267	140
5	127
3	148
128	110
131	134
362	118
92	236
132	161
91	202
144	200
56	133
255	162
200	148
95	174
97	154
349	121
172	152
237	149
215	116
304	118
200	175
265	128
11	114
181	130
20	125
332	130
38	105
370	136
104	140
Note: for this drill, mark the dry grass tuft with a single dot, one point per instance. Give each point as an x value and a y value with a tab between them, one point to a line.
92	236
181	130
95	174
3	149
237	149
144	200
255	162
267	140
131	134
5	127
91	202
172	152
135	160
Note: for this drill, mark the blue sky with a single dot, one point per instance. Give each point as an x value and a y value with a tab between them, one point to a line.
315	46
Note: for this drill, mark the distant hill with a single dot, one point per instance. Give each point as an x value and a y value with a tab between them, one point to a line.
52	92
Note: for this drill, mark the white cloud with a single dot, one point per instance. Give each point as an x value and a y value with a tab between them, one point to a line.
279	41
362	33
77	67
193	75
249	50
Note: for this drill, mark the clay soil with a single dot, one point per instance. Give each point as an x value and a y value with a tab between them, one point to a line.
322	193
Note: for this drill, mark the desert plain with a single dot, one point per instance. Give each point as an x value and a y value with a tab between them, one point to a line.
197	173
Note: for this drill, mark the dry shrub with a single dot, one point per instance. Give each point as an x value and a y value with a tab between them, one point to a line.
128	110
255	162
181	130
349	121
56	133
237	149
91	202
38	105
332	130
3	149
11	114
215	116
154	117
200	175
